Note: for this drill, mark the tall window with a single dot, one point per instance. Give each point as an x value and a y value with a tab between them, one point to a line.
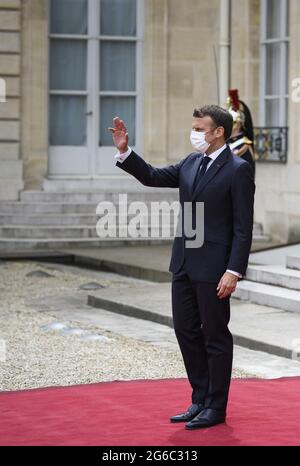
68	72
117	66
274	63
95	74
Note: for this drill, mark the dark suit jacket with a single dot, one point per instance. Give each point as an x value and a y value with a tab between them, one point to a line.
227	190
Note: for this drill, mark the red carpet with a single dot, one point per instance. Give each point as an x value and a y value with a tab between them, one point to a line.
261	412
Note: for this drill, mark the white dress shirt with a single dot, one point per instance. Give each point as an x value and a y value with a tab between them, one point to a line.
121	157
214	155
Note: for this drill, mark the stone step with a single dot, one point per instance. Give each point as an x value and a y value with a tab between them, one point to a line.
258	229
35	232
261	238
276	275
18	246
11	169
157	195
149	302
79	231
10	189
144	263
87	208
293	262
256	327
69	207
30	208
68	231
47	219
69	219
110	183
268	295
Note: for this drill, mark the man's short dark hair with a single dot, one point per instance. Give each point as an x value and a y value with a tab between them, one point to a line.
219	116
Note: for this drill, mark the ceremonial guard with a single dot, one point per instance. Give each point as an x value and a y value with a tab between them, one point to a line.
242	137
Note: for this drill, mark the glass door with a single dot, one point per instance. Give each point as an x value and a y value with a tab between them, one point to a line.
95	74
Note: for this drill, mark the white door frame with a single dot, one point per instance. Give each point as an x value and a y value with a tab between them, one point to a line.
92	161
283	40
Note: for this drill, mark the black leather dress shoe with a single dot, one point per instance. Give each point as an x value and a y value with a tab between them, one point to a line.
206	418
191	412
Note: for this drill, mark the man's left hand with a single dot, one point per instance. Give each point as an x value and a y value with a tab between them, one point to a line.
227	285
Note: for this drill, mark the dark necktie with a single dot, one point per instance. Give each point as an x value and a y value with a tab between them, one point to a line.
202	170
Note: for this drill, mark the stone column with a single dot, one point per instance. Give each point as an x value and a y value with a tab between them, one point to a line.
10	49
245	52
156	80
294	73
180	73
35	92
224	50
194	36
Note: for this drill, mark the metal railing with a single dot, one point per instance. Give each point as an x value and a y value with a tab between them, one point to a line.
271	144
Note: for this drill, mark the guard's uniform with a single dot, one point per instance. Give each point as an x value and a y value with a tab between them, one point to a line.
241	144
242	147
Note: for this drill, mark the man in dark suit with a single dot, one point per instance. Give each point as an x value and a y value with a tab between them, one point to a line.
204	278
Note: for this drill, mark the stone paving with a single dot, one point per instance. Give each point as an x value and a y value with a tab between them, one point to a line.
38	356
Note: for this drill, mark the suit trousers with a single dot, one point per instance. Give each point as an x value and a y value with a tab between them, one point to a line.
200	321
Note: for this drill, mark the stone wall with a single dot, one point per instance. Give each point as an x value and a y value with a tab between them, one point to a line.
180	41
35	92
245	52
179	74
278	186
10	111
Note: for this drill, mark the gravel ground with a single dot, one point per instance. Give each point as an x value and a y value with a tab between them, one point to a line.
38	358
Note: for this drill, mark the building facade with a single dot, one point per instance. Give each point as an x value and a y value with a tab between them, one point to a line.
68	66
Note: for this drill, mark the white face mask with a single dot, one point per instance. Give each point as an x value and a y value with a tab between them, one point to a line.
198	141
